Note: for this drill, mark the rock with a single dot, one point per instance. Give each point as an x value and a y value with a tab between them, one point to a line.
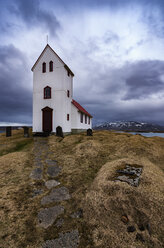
148	228
141	227
51	162
78	214
130	175
38	164
65	240
37	159
139	237
56	195
59	223
131	229
51	183
37	192
36	174
47	216
124	219
53	171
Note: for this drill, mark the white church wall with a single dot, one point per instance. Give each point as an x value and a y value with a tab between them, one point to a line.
76	120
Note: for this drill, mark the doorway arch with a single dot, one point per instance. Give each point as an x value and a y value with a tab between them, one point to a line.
47	119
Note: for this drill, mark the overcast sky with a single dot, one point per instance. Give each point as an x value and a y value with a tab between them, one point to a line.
114	47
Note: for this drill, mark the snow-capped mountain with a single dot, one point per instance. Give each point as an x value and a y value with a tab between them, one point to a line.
129	126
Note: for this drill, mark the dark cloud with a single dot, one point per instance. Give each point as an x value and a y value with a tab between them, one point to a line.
106	91
125	93
16	92
34	16
144	79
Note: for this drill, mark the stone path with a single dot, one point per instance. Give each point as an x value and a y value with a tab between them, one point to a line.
45	167
65	240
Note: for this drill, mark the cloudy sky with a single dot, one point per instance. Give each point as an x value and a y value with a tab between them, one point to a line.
114	47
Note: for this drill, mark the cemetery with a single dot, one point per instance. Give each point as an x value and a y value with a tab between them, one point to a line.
74	190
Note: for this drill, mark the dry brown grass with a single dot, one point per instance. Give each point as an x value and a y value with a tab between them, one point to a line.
89	164
107	201
14	143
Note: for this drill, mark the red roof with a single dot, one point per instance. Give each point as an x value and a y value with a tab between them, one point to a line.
80	108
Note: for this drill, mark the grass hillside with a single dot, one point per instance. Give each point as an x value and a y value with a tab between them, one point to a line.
89	167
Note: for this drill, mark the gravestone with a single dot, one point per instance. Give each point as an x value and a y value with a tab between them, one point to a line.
8	131
59	132
26	132
89	132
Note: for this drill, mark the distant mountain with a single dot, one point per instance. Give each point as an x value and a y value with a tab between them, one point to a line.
132	126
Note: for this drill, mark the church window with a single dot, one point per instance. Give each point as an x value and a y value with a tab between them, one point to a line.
47	92
51	66
89	120
67	117
85	119
68	73
81	117
68	93
44	67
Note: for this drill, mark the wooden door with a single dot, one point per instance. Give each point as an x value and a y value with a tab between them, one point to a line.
47	119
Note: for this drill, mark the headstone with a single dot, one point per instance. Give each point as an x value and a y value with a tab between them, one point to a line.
8	131
59	132
26	132
89	132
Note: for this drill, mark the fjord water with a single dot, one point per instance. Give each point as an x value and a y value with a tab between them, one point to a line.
149	134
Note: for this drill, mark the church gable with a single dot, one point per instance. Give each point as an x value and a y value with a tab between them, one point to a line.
48	56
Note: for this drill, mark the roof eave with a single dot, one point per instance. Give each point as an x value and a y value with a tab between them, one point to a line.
84	113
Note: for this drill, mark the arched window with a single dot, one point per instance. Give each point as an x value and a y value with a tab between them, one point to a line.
47	92
44	67
51	66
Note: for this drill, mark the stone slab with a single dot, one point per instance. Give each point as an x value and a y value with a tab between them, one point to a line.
56	195
36	174
51	184
59	223
38	164
51	161
47	216
53	171
65	240
78	214
37	192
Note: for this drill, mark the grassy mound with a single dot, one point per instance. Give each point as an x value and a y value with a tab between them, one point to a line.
107	202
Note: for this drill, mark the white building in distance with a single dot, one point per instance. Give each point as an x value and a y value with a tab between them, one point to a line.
53	105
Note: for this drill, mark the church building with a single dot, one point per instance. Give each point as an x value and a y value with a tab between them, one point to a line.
53	103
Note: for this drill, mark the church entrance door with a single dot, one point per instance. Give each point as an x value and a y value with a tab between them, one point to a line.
47	119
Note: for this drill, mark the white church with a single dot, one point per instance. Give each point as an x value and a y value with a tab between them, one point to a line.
53	103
